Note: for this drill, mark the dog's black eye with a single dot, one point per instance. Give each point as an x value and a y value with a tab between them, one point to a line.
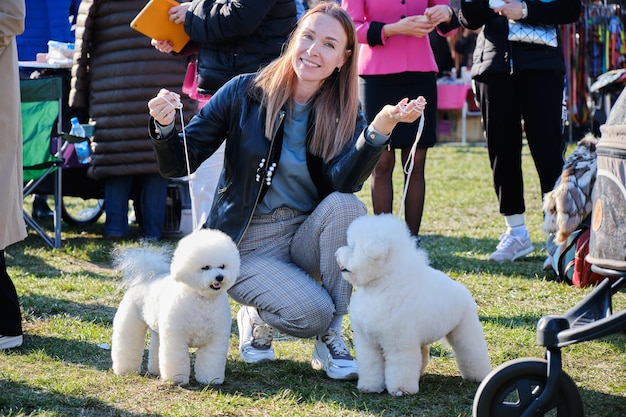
206	267
222	266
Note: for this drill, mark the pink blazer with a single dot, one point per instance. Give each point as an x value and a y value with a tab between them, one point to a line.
398	53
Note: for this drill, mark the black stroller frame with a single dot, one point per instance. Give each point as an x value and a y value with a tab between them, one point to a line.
532	387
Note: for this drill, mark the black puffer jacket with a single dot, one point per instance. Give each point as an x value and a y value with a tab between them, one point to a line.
494	54
235	116
116	71
237	36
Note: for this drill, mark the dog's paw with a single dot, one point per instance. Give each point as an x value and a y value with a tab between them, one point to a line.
178	380
401	391
371	388
125	370
210	380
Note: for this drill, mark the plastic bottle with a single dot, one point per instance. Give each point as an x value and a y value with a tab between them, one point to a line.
466	75
82	148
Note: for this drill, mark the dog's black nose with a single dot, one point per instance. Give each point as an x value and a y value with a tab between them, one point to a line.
219	278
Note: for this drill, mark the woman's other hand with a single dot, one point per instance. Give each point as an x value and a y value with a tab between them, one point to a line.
404	112
163	107
178	13
416	26
439	14
162	46
513	10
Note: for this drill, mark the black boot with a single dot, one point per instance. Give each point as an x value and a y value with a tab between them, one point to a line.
41	210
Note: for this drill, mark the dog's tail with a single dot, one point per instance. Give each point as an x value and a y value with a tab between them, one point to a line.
141	264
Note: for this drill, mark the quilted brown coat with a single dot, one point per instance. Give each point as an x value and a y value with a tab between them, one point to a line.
115	73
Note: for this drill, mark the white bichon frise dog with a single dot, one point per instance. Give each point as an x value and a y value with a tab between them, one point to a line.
401	305
184	305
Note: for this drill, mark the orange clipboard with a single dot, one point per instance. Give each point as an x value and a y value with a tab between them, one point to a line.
154	22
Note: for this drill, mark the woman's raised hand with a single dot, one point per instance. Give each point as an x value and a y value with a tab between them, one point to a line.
406	111
163	107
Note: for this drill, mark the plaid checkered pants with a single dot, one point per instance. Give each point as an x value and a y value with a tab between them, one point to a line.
288	266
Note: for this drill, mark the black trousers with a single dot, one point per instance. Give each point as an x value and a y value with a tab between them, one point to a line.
536	97
10	316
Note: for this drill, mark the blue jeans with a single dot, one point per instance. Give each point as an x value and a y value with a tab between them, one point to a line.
152	192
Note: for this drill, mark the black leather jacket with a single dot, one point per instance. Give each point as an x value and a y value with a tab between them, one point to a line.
494	54
236	37
234	115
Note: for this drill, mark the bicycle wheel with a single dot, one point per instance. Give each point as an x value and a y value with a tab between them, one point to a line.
80	212
510	389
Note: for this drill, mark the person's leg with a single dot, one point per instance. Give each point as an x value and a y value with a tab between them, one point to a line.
287	298
10	315
499	98
275	293
313	249
41	209
318	238
500	107
422	84
382	183
543	123
116	196
416	191
153	196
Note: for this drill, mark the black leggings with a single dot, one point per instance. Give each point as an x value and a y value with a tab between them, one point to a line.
10	316
537	98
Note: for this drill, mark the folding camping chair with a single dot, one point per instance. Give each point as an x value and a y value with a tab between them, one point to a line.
41	124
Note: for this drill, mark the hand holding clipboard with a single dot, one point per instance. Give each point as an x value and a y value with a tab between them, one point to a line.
154	22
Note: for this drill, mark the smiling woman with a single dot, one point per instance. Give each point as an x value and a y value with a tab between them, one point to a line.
319	51
297	149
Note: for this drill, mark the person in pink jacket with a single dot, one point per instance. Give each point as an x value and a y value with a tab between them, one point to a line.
397	61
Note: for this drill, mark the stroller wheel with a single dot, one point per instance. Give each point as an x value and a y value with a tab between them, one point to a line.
81	212
510	389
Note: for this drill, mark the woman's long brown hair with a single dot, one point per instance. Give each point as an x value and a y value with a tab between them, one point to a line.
336	103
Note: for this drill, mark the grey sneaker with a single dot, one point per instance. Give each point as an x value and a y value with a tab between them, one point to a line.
511	247
331	354
8	342
255	337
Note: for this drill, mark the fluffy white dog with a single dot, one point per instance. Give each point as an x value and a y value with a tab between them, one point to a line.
401	305
184	305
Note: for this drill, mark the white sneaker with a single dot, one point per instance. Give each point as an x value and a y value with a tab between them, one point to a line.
8	342
331	354
255	337
511	247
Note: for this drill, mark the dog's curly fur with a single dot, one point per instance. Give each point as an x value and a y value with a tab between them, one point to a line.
401	305
183	305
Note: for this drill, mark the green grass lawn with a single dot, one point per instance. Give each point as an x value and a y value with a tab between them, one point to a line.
69	297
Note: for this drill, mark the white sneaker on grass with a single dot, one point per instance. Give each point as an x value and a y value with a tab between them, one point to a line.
8	342
331	354
511	247
255	337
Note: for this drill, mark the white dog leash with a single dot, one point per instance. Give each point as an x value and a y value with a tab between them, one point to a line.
410	162
178	105
408	166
